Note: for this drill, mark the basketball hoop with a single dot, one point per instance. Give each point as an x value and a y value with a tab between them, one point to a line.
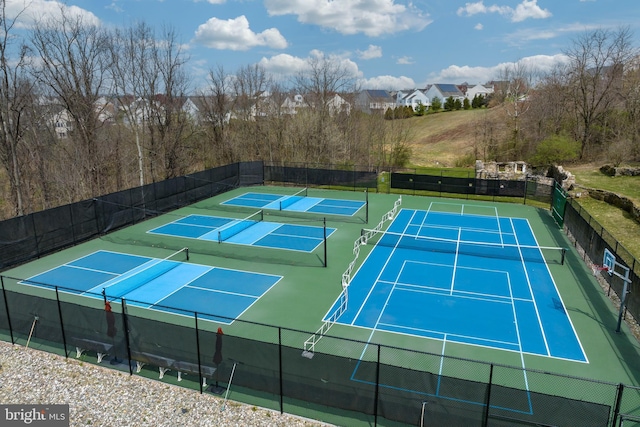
598	268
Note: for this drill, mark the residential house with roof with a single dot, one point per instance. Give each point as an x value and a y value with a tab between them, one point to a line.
413	98
444	91
478	90
371	101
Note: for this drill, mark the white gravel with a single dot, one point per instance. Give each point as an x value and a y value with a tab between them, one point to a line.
99	396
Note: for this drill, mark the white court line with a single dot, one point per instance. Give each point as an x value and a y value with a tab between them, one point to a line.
535	304
455	261
364	302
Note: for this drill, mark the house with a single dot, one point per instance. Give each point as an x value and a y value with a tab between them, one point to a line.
444	91
375	101
413	98
478	90
293	103
62	123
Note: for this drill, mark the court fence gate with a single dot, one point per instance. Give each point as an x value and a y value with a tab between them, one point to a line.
356	378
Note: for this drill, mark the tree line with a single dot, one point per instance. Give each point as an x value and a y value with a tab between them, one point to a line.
120	94
586	107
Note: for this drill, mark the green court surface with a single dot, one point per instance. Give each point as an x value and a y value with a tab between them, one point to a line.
308	290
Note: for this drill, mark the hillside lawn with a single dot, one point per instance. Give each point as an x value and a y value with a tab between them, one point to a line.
444	139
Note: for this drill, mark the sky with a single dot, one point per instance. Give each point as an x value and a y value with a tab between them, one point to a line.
384	44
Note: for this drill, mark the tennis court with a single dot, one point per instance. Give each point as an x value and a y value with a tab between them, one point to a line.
298	202
445	292
468	278
169	285
250	231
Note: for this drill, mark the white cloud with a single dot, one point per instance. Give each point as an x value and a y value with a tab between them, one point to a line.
287	65
474	75
387	83
478	27
283	64
372	17
524	35
525	10
405	60
529	9
212	1
371	52
33	11
235	34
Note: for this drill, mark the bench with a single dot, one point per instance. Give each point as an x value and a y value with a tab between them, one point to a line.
102	349
192	368
164	364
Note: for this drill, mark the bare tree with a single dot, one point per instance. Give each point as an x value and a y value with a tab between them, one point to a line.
216	107
318	83
15	98
168	124
132	53
74	60
517	80
597	61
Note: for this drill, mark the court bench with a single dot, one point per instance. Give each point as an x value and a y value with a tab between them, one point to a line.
101	349
166	364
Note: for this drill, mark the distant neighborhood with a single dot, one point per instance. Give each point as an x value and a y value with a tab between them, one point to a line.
137	111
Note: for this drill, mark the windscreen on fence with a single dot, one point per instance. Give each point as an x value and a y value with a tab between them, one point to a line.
593	239
309	176
40	233
458	185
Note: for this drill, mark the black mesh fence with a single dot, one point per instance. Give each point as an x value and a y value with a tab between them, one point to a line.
331	176
592	239
31	236
360	378
469	186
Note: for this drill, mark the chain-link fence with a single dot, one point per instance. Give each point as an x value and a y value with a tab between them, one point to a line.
359	379
354	377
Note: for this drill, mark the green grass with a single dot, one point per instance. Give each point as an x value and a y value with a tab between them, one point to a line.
616	221
589	175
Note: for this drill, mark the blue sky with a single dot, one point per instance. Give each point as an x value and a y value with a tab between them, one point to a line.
385	44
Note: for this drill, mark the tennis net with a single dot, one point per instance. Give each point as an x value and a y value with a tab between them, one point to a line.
542	254
237	226
140	277
289	200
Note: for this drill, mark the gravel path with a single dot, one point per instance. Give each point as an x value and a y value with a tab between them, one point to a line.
100	396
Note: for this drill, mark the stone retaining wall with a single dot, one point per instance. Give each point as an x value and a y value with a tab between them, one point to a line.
611	198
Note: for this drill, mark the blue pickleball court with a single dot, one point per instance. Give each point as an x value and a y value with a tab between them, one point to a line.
247	231
297	203
169	285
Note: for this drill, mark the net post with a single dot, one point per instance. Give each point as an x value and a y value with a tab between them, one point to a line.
564	254
219	237
366	205
324	226
186	251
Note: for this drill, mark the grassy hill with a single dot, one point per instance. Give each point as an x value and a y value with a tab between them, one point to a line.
446	139
450	139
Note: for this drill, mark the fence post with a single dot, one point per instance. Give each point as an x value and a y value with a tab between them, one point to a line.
195	316
125	323
616	406
64	338
486	408
280	368
6	307
377	393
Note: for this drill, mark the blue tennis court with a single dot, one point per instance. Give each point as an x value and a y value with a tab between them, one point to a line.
168	285
251	231
298	203
473	279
